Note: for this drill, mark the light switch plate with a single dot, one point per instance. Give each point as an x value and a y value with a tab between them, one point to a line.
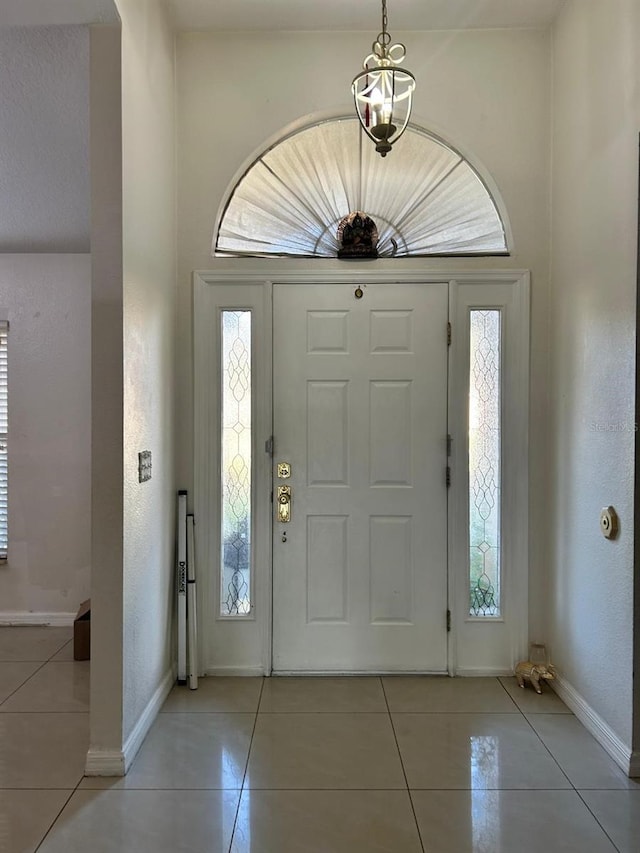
144	466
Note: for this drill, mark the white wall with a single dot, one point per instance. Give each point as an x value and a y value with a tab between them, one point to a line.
485	91
106	706
47	300
61	12
44	152
149	274
596	111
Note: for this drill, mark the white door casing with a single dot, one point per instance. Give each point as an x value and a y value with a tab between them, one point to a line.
244	645
360	399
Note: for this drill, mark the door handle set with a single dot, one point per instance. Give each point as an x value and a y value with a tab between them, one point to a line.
283	506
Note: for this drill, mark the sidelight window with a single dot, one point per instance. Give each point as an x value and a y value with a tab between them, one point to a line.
484	462
235	454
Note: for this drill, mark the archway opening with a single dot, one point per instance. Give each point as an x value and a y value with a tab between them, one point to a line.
426	200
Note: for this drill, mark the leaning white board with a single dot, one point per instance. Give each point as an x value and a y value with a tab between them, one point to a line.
192	613
181	585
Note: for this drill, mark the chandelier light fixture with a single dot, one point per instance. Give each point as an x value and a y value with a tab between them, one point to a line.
383	92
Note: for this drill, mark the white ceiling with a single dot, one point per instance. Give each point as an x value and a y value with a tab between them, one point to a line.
361	14
298	14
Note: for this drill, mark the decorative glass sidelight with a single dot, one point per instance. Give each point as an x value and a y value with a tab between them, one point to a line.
235	575
484	463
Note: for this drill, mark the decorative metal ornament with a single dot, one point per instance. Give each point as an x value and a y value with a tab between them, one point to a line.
357	236
383	93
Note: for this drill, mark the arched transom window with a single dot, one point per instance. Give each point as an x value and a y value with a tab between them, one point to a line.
425	198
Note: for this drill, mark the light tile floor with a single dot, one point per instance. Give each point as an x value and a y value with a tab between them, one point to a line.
295	765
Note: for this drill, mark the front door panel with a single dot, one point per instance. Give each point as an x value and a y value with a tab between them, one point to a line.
360	402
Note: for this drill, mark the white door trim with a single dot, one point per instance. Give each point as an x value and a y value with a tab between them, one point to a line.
218	288
491	646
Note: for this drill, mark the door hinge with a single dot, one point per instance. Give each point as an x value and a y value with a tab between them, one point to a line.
448	334
448	476
268	446
449	443
448	620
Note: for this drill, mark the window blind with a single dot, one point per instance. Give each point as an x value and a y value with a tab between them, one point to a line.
4	437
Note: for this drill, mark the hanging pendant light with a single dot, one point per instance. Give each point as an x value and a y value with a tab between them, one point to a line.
383	92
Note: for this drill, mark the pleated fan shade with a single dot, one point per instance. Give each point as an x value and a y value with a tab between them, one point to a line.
425	198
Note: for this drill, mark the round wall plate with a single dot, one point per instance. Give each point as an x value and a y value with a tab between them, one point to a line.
609	522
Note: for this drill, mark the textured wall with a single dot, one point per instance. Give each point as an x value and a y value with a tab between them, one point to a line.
44	133
47	300
592	377
106	392
485	91
61	12
148	131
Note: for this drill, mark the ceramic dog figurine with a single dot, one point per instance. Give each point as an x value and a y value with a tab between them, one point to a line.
534	672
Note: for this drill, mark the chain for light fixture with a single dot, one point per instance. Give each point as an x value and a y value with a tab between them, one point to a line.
383	92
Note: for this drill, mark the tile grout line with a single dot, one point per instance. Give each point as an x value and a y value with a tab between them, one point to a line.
68	800
531	726
594	816
42	663
573	787
404	772
55	820
575	790
20	686
246	766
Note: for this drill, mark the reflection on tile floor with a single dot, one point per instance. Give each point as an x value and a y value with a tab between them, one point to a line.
306	765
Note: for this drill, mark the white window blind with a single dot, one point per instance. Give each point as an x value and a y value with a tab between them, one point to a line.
4	431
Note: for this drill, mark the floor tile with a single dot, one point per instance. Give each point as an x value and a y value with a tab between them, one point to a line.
14	675
324	751
530	702
326	822
578	753
493	751
25	817
43	750
440	694
144	822
31	643
618	812
290	695
65	654
507	822
55	687
185	751
216	694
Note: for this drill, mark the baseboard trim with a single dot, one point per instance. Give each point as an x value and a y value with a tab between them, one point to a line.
250	671
139	732
104	763
350	673
118	762
594	723
27	617
483	672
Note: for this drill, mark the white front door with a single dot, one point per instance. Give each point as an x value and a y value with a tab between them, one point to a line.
360	416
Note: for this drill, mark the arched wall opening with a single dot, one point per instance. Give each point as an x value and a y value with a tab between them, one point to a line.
426	198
